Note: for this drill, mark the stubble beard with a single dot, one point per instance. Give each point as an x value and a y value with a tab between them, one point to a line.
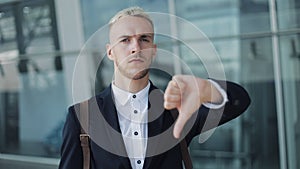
140	74
136	75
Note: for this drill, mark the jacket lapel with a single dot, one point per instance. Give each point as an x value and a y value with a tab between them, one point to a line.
109	112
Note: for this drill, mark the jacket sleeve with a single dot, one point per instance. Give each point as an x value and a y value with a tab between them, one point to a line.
206	119
71	152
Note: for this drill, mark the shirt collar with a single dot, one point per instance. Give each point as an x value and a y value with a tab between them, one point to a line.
123	96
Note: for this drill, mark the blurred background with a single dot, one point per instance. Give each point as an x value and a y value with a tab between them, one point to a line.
258	42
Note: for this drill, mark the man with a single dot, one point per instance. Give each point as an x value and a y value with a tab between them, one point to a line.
135	114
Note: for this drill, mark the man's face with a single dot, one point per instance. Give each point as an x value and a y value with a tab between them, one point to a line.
131	46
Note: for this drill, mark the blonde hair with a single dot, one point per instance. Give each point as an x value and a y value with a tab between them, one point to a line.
131	11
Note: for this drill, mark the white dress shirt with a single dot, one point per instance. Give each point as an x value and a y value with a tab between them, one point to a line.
132	115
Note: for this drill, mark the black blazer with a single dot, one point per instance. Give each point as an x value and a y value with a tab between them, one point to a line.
107	147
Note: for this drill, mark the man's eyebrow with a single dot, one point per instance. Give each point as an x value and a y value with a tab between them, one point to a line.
124	36
147	35
143	35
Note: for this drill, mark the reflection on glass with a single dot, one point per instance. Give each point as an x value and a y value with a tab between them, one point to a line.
288	14
33	102
254	16
290	63
33	111
96	14
7	30
32	85
214	18
260	135
226	17
251	141
37	29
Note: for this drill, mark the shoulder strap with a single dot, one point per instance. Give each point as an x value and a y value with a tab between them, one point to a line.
84	137
184	149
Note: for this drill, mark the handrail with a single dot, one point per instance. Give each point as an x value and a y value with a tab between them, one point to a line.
30	159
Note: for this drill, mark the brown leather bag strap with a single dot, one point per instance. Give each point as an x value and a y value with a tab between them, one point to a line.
186	155
184	149
84	137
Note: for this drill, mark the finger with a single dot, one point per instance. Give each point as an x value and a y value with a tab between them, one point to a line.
179	82
172	97
179	124
172	88
170	105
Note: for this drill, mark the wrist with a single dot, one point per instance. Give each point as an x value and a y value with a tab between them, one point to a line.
210	94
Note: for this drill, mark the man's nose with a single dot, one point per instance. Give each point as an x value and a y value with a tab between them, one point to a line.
135	46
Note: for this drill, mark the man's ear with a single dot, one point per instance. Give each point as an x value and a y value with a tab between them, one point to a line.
109	52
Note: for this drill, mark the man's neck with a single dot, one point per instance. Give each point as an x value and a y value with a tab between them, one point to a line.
130	85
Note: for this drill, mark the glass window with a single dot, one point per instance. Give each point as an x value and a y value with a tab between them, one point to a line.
254	16
226	17
96	14
32	89
213	17
289	23
288	14
33	98
260	122
251	141
7	31
290	63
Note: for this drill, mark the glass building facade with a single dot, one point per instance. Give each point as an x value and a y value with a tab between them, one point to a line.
257	42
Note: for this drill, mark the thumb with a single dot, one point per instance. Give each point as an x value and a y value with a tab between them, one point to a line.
182	118
179	125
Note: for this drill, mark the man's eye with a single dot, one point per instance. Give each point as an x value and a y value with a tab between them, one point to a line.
145	40
125	40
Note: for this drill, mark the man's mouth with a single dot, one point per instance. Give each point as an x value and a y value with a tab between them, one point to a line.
135	60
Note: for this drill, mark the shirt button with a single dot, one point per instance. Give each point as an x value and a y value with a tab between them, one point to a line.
134	96
138	161
135	111
136	133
